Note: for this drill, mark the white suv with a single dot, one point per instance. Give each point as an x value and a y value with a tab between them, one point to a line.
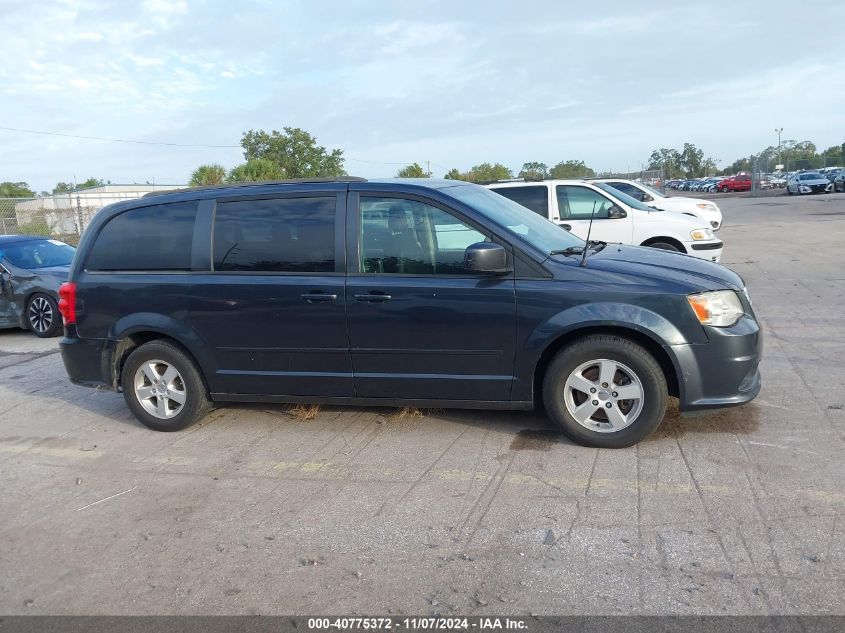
703	209
617	217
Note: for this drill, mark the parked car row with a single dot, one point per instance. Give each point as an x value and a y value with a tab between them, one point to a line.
713	184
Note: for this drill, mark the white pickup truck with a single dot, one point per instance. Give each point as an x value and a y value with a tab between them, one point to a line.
617	217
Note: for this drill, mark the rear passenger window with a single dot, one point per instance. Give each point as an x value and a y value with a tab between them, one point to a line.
534	198
277	235
154	238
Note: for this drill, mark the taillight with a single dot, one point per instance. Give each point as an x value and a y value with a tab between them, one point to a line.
67	302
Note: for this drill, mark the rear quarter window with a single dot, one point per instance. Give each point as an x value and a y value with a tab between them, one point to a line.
154	238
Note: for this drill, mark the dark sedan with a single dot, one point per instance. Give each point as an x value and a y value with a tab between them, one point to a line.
31	270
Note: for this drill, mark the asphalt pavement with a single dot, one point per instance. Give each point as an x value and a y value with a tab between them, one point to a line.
279	510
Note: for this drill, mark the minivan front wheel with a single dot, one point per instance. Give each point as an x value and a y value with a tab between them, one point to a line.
163	387
605	391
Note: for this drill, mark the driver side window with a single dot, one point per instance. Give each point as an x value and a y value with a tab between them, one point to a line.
400	236
577	203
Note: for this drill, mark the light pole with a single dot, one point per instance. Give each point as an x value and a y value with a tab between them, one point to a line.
779	130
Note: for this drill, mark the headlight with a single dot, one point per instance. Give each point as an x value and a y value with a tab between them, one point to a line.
706	206
701	234
721	308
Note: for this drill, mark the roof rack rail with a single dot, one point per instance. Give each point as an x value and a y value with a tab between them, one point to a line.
231	185
491	182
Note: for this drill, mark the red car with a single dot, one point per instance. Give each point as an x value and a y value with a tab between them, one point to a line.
740	182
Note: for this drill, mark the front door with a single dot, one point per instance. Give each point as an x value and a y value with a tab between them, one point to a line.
577	203
272	310
420	325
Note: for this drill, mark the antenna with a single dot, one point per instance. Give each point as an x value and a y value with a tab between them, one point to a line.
587	241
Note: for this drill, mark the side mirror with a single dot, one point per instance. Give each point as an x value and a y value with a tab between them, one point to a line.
646	198
484	257
616	213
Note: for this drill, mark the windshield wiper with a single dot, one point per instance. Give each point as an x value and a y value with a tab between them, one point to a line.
578	250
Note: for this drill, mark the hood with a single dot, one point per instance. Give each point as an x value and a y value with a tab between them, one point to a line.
652	263
681	221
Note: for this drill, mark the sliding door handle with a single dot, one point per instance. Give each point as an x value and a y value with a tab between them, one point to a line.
373	298
318	297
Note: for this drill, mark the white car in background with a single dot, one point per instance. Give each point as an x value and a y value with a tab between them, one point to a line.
703	209
617	217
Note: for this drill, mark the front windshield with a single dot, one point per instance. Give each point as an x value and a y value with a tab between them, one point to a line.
652	190
811	176
623	197
518	220
38	254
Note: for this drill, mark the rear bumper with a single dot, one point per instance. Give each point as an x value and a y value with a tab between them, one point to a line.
86	360
723	372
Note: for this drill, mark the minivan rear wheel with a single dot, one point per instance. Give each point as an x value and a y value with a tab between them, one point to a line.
605	391
163	387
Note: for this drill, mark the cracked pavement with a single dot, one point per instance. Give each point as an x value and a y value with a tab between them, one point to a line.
455	512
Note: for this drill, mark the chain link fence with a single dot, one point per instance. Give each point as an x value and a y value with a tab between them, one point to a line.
651	177
59	218
64	216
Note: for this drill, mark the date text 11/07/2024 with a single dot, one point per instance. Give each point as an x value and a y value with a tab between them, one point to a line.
418	623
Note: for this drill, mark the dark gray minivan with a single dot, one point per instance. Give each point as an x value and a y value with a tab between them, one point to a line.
432	293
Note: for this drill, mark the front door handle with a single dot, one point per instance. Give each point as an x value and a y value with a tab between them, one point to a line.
318	297
373	298
568	227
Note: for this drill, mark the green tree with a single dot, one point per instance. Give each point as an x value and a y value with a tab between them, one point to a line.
486	172
205	175
534	171
295	151
690	160
414	170
256	170
65	187
454	174
571	169
15	190
667	159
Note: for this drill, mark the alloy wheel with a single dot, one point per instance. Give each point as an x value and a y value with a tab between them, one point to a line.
40	314
604	395
160	389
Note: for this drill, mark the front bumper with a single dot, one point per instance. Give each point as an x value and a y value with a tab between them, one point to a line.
711	251
723	372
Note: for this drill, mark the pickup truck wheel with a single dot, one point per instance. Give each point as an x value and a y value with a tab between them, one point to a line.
605	391
724	189
163	387
665	246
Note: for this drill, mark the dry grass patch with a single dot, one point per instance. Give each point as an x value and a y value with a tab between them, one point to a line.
406	413
304	412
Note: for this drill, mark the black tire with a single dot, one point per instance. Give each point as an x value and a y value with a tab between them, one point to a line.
42	315
196	403
618	350
724	190
665	246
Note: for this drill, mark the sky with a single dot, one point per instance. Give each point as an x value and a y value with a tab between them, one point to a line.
393	82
